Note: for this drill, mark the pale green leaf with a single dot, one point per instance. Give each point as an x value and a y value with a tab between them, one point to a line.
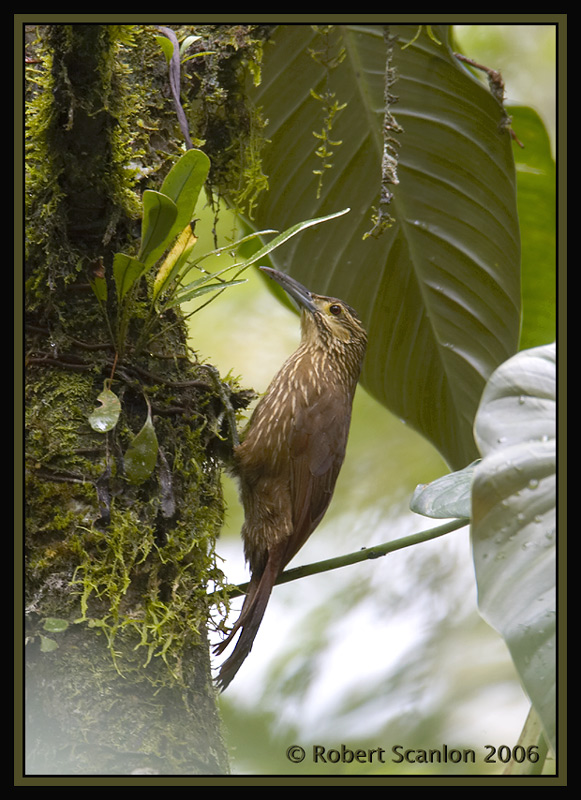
105	417
99	286
187	42
447	497
232	246
194	289
514	519
47	645
55	625
287	234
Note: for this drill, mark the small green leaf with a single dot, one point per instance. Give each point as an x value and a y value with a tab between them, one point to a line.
47	645
159	215
105	417
55	625
187	42
99	286
167	47
126	270
447	497
141	455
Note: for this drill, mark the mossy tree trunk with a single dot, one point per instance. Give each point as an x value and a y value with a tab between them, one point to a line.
117	664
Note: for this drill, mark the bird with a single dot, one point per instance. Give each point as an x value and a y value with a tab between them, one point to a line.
292	450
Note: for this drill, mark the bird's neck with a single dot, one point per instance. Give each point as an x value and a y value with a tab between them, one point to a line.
328	364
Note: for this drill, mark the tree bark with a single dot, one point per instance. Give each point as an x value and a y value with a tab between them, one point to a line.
117	664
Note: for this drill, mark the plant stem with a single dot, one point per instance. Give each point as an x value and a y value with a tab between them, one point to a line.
361	555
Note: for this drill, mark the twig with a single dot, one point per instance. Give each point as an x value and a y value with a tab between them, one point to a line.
360	555
496	86
48	361
495	81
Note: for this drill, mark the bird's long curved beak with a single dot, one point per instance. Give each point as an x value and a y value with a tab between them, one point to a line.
299	293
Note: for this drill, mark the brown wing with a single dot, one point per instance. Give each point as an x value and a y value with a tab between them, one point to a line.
317	449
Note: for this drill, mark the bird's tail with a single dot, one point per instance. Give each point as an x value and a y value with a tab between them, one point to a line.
249	621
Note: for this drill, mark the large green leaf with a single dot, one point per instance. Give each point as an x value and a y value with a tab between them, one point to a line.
514	519
536	181
439	291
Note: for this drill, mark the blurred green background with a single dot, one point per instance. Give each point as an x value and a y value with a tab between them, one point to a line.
391	651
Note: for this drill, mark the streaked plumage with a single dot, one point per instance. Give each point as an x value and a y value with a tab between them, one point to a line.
292	451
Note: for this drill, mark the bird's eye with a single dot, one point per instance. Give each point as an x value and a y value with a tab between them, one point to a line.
335	309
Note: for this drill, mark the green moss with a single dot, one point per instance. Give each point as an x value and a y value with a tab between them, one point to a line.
229	130
139	576
125	565
87	139
131	580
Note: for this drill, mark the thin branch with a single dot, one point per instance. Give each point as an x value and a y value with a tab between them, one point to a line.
48	361
360	555
496	86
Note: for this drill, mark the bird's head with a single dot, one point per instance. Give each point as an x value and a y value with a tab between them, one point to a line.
327	321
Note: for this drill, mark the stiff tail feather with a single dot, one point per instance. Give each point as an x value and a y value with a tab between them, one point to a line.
249	622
